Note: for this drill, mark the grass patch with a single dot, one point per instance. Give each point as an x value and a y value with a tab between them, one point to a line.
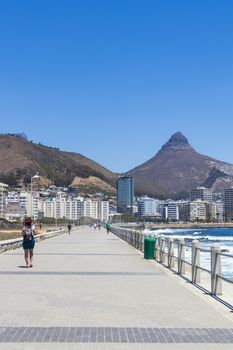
8	234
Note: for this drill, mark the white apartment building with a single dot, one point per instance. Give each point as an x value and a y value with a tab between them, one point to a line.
147	205
3	194
218	210
103	213
98	210
60	204
12	207
168	210
198	210
74	208
49	207
29	203
90	209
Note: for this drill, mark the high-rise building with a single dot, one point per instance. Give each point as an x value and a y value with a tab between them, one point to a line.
228	204
125	194
172	211
184	210
3	194
162	210
201	193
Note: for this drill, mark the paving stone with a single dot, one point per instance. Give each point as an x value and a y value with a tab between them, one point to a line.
115	335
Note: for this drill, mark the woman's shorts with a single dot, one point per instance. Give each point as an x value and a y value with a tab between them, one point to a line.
29	244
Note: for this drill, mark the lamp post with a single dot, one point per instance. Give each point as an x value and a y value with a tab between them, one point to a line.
35	180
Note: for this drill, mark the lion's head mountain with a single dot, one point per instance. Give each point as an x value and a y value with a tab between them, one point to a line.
171	173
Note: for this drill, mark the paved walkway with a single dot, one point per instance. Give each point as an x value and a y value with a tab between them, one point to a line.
90	290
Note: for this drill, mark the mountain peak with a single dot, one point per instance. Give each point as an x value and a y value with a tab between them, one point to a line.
177	142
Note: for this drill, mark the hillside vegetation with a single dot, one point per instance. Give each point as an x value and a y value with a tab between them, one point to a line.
21	159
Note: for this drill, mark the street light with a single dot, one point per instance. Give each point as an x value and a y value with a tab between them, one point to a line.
35	180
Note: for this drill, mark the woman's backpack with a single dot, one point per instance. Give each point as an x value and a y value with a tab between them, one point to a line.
28	236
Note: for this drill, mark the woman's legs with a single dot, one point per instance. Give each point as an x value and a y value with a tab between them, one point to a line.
31	256
26	256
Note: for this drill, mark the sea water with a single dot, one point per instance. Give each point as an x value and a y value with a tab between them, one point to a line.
206	237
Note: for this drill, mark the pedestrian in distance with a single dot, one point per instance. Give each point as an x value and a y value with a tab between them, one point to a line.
107	226
69	228
28	233
99	226
95	226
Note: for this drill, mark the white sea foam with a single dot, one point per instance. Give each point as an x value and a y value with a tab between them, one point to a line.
224	238
219	238
166	231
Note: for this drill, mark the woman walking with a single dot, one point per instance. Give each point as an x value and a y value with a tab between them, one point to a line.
28	233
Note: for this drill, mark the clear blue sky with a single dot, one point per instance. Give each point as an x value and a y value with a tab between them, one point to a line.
113	79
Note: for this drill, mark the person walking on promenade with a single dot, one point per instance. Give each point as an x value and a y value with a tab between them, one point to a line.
28	233
107	226
69	228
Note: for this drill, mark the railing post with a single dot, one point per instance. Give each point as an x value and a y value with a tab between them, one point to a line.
130	237
181	257
170	261
196	275
216	270
135	239
142	243
156	239
156	248
138	235
162	249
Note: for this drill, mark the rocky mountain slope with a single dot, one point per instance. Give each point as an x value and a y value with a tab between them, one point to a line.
92	183
21	159
177	168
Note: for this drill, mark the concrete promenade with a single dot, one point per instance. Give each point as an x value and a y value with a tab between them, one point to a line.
90	290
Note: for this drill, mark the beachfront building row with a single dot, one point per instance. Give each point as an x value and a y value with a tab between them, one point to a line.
173	211
73	208
62	206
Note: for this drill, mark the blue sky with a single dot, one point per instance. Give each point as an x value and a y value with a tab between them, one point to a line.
113	80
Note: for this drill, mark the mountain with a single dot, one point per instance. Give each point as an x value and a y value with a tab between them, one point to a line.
177	168
171	173
21	159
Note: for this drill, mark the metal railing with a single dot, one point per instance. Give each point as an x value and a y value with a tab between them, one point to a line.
171	253
17	242
164	253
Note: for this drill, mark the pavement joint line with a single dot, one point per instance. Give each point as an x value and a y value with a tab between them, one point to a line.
115	335
77	254
81	273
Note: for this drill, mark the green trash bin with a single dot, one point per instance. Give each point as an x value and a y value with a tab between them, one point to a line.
149	248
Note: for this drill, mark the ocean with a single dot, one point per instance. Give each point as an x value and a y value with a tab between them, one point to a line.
206	237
